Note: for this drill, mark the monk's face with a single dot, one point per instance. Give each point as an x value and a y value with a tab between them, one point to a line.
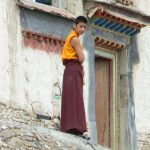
80	28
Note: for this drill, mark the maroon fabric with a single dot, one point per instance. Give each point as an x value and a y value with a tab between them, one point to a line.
72	106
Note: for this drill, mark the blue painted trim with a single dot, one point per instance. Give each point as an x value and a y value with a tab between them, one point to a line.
95	21
101	22
134	33
119	28
113	25
105	22
130	31
108	24
98	21
127	29
123	29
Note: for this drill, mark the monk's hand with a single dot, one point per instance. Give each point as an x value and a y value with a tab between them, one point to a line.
83	75
82	71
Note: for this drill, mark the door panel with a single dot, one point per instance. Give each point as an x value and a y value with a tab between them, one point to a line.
103	81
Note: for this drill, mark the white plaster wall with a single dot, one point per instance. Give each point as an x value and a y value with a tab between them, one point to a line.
4	55
27	76
141	75
143	6
141	79
86	84
35	75
74	6
34	85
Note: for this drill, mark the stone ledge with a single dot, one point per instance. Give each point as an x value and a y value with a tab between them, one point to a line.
45	8
143	141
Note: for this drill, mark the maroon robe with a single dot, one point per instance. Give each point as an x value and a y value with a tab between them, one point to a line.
72	106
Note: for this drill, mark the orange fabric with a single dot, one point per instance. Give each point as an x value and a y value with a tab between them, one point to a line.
68	52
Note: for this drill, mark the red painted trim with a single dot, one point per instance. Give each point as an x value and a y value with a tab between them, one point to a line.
43	42
108	44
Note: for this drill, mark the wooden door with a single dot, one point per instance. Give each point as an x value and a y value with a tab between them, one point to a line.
104	100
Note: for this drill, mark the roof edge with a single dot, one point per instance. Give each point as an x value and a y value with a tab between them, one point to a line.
137	15
45	8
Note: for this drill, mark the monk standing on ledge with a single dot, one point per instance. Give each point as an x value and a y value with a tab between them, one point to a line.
72	107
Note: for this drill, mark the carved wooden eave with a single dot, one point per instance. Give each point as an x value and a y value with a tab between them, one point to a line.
43	42
110	45
102	17
117	9
125	2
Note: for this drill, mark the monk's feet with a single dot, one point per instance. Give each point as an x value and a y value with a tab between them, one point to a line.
85	135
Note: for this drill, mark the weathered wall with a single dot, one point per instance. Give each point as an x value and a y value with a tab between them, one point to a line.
28	75
4	54
8	44
142	6
74	7
39	70
141	80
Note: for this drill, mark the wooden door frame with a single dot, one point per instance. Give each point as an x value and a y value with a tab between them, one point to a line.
113	56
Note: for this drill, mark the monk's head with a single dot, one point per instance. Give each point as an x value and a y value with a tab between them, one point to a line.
80	25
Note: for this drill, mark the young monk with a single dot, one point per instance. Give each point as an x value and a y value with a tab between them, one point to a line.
72	107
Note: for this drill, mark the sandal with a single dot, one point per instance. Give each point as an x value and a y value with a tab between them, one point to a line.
85	135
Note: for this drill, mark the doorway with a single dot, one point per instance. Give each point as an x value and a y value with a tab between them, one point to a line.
104	100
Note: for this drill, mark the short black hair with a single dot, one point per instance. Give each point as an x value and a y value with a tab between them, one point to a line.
80	19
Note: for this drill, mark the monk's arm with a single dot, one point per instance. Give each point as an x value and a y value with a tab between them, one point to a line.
75	43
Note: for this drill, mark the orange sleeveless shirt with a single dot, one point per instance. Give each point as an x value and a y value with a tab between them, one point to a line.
68	52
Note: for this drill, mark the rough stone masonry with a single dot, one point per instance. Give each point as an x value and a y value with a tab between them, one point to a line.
20	130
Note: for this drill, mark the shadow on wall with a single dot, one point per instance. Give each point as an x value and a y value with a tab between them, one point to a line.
134	59
134	53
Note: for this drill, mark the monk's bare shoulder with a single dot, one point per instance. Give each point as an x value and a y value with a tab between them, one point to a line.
75	41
